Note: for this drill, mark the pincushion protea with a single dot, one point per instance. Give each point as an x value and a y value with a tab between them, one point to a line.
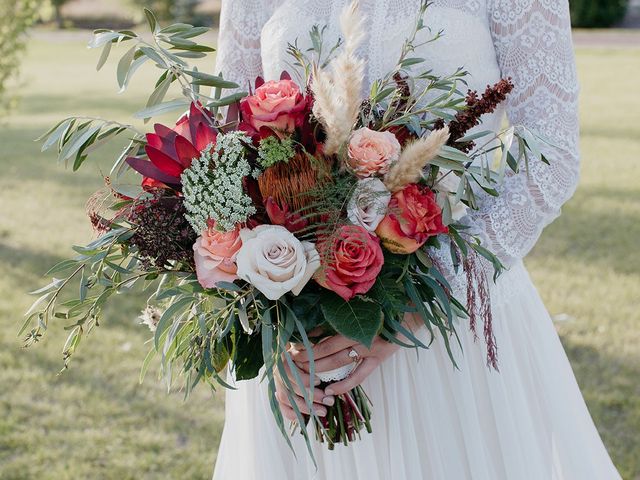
171	150
293	183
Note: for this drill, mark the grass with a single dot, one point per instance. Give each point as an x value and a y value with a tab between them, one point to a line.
96	421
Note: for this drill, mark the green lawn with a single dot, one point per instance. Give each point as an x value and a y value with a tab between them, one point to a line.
96	421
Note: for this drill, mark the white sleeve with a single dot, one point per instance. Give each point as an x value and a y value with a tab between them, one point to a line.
239	57
533	46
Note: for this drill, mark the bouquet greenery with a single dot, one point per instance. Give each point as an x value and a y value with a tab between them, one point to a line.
293	212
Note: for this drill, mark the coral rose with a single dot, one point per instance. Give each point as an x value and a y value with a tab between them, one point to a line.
372	153
413	217
215	256
351	261
276	105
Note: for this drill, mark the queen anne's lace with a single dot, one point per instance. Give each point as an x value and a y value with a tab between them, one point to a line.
527	40
218	193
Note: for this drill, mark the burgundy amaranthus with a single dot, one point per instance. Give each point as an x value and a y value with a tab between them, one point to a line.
163	234
468	118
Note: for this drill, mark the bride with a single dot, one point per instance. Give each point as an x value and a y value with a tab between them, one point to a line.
527	421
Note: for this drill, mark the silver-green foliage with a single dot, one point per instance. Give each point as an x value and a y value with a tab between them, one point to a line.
169	49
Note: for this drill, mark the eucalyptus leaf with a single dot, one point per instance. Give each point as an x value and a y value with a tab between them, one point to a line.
124	64
162	108
104	55
151	19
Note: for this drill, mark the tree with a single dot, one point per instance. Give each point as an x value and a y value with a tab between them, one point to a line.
175	10
16	16
57	6
597	13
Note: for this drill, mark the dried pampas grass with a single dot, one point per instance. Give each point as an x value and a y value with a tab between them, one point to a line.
414	158
337	89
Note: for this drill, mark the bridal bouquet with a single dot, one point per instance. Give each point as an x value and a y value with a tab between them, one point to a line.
301	211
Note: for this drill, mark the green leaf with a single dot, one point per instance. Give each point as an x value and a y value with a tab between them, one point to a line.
190	54
104	55
192	32
358	319
474	136
145	363
207	80
182	44
77	140
162	108
247	358
223	102
55	134
124	64
159	93
137	63
176	28
151	18
61	267
175	309
153	55
101	38
407	62
453	154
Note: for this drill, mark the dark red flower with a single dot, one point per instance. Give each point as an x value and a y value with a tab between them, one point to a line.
171	151
281	215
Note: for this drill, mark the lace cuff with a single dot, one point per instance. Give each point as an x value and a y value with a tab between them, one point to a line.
533	45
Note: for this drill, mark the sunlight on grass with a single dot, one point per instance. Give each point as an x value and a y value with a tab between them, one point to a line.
96	421
586	264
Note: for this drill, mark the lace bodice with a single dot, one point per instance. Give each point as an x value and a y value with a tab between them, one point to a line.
527	40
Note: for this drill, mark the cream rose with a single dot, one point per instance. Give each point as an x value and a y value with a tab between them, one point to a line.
372	153
446	187
369	203
276	262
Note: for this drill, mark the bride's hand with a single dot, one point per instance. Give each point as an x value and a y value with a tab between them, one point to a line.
320	399
337	351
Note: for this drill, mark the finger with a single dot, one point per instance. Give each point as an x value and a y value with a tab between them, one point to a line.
358	376
318	395
337	360
325	348
304	376
284	398
288	413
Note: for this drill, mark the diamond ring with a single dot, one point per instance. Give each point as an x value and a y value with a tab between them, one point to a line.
355	356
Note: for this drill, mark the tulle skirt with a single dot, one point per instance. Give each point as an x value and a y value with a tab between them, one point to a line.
430	421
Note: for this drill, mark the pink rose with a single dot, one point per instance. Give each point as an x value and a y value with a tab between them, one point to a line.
414	216
351	260
372	152
215	256
276	105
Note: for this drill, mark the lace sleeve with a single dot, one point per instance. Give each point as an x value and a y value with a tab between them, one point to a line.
533	45
239	57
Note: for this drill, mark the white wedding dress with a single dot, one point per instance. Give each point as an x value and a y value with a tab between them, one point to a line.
526	422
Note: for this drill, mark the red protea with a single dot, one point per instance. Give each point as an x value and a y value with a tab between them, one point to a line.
171	151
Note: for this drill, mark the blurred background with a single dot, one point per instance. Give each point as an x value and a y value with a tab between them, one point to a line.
98	421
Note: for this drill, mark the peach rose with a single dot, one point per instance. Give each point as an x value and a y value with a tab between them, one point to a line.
215	256
414	216
350	261
372	152
277	105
